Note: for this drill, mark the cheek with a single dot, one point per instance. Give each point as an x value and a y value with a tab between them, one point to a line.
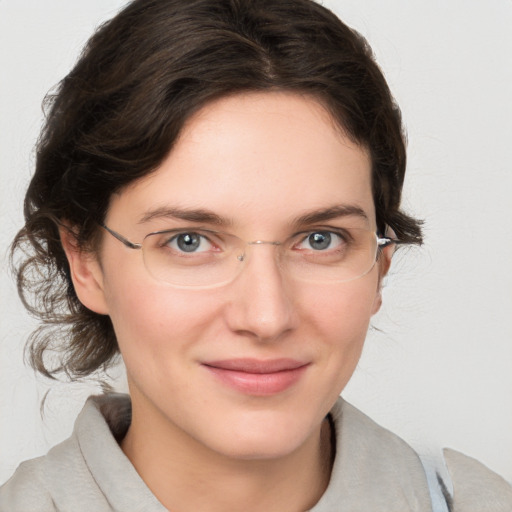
335	319
151	320
340	317
344	311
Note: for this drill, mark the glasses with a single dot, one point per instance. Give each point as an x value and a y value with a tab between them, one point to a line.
203	258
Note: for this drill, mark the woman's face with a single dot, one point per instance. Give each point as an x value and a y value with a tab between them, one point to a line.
204	362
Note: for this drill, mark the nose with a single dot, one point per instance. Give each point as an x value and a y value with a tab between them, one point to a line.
262	304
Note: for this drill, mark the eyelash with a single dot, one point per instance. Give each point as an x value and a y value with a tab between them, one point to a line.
341	232
301	236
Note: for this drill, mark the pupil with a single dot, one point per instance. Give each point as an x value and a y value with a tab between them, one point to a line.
320	241
188	242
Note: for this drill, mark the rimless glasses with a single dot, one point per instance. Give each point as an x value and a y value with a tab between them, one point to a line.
203	258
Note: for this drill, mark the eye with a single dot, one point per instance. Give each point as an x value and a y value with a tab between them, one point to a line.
189	242
321	241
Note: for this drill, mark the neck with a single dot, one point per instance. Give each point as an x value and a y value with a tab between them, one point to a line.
184	475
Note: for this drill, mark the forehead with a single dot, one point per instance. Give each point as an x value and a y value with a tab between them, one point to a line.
256	158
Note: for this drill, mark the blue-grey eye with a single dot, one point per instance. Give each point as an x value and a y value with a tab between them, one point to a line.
189	242
320	241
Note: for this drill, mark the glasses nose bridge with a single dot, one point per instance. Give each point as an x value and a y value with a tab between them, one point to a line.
241	257
264	242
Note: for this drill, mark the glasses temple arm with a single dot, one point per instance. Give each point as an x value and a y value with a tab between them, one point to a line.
121	238
385	241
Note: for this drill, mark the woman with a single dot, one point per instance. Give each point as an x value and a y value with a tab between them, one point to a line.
217	197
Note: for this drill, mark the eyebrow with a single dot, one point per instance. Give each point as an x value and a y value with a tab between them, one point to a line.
198	215
333	212
201	215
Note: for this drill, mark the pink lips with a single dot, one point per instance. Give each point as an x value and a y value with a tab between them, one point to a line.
257	377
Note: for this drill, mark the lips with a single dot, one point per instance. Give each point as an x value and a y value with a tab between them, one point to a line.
257	377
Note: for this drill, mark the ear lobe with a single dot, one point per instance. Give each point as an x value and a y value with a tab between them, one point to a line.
384	262
86	273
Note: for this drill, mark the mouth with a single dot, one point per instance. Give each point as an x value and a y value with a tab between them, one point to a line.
258	377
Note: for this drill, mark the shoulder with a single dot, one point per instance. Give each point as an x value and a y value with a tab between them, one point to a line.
373	468
476	487
87	472
378	455
60	479
26	489
369	435
467	485
366	441
57	481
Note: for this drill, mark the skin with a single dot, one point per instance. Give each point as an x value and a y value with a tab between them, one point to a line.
259	160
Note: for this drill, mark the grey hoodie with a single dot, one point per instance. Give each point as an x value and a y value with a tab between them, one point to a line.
374	470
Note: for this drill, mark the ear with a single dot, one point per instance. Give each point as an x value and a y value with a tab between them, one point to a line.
86	272
384	262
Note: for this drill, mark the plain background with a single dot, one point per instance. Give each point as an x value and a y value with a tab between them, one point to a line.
437	367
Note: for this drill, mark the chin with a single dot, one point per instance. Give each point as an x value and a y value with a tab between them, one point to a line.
267	437
259	449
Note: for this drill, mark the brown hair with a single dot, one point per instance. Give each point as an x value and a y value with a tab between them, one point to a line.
117	114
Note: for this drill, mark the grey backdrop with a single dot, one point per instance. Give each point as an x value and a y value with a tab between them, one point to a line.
439	371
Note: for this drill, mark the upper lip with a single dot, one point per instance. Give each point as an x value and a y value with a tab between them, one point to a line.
249	365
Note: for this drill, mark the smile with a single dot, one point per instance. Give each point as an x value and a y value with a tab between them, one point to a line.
256	377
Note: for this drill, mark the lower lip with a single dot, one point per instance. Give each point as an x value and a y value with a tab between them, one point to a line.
258	384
